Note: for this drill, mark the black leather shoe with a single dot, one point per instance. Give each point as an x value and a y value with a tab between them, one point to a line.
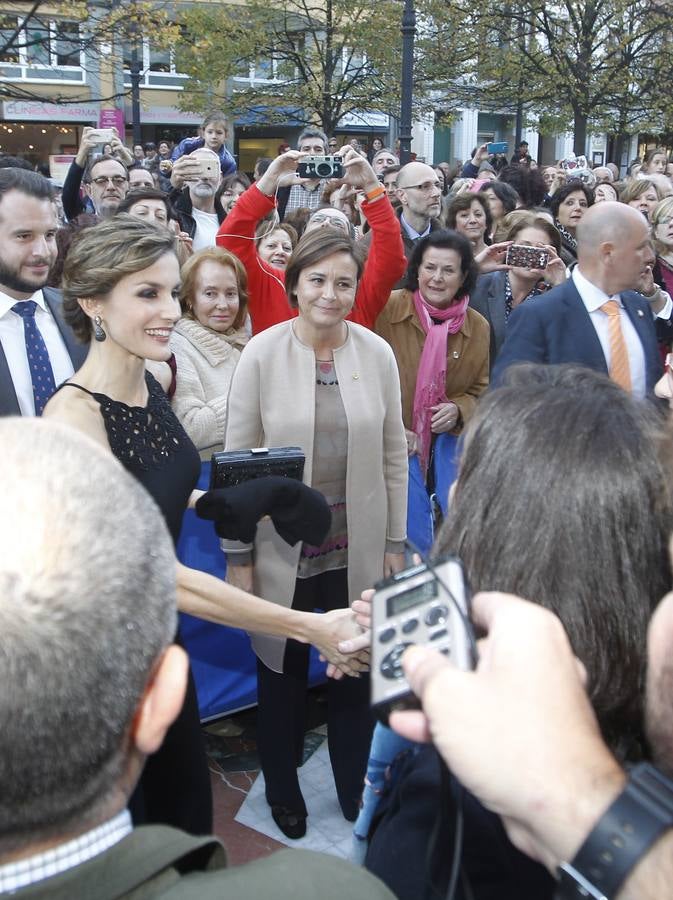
290	822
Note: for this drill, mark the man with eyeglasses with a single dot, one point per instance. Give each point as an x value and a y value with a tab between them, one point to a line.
106	183
105	177
419	193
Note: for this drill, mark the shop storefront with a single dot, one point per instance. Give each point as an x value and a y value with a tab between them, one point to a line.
36	131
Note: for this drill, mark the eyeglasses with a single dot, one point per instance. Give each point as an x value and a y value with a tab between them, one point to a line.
102	180
333	221
426	188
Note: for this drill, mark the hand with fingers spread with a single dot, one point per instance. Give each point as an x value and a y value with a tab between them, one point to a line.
492	258
282	171
358	172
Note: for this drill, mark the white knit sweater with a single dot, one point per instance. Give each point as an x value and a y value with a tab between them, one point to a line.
205	364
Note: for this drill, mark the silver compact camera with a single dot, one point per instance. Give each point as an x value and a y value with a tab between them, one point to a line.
416	606
321	167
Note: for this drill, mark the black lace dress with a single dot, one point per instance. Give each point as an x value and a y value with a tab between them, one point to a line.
151	443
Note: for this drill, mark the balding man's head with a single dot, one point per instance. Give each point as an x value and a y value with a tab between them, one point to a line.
415	173
87	606
613	246
609	221
420	193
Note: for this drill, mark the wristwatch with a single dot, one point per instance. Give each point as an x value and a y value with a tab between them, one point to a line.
624	834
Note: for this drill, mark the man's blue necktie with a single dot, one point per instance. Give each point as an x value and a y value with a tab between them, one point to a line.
41	372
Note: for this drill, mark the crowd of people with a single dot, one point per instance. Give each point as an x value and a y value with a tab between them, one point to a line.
495	326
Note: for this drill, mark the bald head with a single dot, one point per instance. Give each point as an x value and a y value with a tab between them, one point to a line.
613	247
607	222
415	173
420	193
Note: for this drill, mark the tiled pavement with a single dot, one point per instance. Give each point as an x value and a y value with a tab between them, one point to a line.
242	818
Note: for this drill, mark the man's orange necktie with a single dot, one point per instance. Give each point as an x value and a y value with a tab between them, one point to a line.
620	370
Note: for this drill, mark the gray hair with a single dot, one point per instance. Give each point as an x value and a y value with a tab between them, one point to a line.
87	606
312	132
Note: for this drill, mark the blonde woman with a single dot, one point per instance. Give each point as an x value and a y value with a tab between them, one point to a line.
207	343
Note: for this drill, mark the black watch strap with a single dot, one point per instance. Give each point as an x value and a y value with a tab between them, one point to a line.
625	832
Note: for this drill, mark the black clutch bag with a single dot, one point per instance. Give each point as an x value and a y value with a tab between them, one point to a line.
231	467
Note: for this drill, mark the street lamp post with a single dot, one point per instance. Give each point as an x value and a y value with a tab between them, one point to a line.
135	87
408	34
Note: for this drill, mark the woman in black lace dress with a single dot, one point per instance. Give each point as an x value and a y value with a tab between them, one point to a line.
120	286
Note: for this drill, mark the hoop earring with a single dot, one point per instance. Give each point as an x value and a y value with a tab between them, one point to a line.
98	332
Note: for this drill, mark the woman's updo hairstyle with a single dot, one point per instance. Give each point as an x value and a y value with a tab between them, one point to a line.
100	256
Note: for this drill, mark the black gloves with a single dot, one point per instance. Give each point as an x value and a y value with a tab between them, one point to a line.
298	512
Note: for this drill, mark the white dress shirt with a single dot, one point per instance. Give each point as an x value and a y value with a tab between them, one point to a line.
593	298
14	346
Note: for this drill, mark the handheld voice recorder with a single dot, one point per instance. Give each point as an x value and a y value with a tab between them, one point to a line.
416	606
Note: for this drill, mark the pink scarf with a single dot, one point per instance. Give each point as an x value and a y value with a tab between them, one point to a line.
431	377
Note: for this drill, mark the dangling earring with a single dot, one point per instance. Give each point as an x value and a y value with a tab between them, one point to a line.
98	332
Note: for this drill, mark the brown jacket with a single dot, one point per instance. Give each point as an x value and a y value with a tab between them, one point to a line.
467	355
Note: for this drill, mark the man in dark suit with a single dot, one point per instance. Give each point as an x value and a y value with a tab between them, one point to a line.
91	682
595	319
38	351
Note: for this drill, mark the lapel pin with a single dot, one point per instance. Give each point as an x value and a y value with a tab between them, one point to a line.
641	313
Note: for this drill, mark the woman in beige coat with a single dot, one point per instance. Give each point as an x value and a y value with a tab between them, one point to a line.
207	343
332	388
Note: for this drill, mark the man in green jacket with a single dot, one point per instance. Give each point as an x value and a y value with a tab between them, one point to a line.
90	683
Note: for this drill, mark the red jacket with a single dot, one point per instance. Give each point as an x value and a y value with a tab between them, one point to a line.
267	300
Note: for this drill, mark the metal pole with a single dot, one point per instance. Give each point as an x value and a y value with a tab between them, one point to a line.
135	93
408	34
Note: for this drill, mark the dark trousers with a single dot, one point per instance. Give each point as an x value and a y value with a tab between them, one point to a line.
282	707
174	788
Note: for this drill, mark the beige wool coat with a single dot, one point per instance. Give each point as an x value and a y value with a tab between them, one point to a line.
272	404
205	362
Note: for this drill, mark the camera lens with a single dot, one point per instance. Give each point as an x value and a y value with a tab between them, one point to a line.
324	169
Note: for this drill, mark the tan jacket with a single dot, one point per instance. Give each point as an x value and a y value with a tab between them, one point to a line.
467	355
272	404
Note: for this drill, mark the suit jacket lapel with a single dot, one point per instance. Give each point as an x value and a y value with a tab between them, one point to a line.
9	404
581	331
